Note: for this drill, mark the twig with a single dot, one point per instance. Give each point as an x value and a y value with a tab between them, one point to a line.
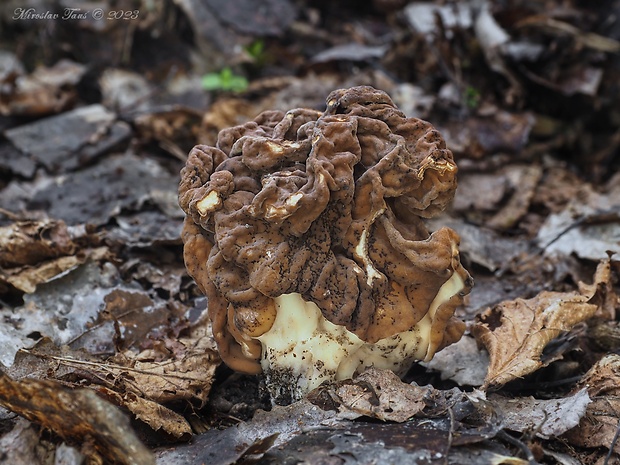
612	445
10	215
518	444
111	367
597	217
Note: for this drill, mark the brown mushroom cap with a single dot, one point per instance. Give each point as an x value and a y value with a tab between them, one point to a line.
330	206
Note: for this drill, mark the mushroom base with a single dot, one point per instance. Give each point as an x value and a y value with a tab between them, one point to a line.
303	349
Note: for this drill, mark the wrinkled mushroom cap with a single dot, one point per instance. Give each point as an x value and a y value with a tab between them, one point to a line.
328	206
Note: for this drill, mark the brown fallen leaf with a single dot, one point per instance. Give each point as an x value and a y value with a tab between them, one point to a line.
175	129
34	252
526	181
156	416
140	383
516	332
187	375
30	242
599	426
27	278
78	416
117	383
377	394
46	90
603	292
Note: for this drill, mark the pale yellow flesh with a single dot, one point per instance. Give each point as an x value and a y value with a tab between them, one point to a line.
315	350
361	252
209	203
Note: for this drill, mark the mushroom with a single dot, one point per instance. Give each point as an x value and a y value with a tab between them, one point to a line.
305	231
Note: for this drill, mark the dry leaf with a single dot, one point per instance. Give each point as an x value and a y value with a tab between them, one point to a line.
45	90
602	291
171	380
463	362
378	394
231	445
588	226
187	375
516	332
156	416
27	278
78	416
132	382
526	181
31	242
600	424
547	418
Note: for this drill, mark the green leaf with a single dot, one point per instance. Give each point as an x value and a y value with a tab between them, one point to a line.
256	49
224	80
211	81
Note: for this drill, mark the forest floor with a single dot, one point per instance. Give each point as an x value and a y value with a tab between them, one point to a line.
106	354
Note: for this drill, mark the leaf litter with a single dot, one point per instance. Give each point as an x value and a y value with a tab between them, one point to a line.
515	333
99	315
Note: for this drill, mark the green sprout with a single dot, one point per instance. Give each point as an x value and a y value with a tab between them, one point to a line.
472	97
225	80
257	50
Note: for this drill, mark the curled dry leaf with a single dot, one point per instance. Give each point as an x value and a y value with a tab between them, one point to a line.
378	394
156	416
516	332
526	180
603	292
